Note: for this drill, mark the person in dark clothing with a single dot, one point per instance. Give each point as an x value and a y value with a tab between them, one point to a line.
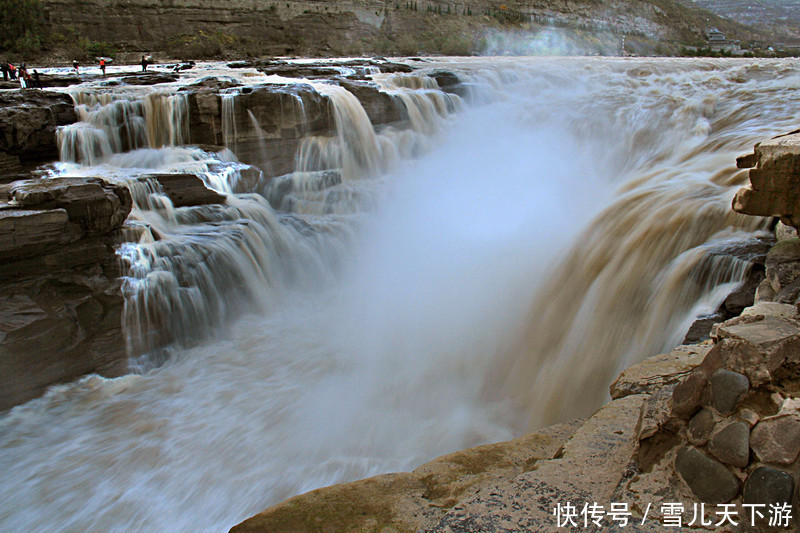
144	63
37	82
12	71
4	70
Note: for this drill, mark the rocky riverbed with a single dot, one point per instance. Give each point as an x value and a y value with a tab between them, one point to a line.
199	235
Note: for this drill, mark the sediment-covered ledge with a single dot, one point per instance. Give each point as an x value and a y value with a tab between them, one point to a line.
715	424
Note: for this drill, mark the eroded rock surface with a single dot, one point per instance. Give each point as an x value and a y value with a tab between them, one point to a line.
60	292
774	189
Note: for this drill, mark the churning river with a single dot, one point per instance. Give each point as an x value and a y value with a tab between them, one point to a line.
486	270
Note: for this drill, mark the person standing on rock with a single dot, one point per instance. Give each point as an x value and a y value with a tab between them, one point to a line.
75	65
37	82
4	70
12	72
23	76
144	63
103	65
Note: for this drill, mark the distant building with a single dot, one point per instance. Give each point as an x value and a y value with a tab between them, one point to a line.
717	42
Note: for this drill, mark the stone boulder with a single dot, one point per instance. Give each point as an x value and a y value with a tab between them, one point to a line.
774	188
762	347
28	122
659	371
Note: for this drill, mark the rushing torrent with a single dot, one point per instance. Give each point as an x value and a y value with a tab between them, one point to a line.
407	292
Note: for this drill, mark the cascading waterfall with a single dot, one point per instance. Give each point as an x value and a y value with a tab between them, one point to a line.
358	149
408	292
422	99
355	149
112	123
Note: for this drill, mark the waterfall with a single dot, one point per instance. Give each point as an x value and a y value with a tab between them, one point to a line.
355	149
484	266
118	122
229	119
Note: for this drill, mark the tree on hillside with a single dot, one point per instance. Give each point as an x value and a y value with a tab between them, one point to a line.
21	22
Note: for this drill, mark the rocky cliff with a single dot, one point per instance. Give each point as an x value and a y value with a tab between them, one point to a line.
60	295
28	122
705	427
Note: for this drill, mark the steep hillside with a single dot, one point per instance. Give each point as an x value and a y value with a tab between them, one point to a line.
220	28
781	17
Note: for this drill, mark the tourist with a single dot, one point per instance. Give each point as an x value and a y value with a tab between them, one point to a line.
4	70
37	82
22	74
103	65
12	71
75	65
144	63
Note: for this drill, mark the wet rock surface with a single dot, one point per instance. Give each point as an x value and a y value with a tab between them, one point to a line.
186	189
271	121
753	252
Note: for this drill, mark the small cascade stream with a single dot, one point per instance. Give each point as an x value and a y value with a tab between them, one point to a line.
482	268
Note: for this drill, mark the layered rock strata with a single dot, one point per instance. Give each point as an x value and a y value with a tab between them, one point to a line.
60	294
